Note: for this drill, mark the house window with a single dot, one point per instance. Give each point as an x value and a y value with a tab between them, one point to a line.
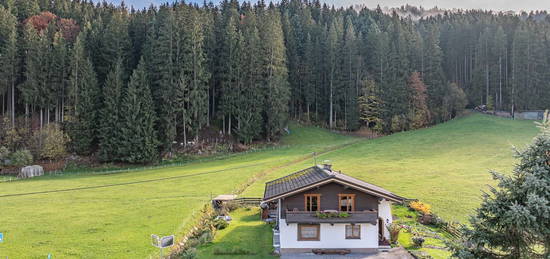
312	202
346	202
308	232
353	231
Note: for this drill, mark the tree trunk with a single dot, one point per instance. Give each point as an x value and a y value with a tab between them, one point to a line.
500	82
12	103
41	118
229	125
184	131
330	110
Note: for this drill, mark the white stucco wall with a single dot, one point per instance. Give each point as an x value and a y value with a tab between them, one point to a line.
384	212
332	236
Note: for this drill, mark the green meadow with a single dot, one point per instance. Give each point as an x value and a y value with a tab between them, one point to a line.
112	215
446	165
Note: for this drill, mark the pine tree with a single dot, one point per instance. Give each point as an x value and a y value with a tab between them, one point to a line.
229	65
164	68
8	60
26	9
332	47
109	133
249	109
113	42
34	89
514	219
138	142
432	73
370	106
275	74
84	99
195	68
84	130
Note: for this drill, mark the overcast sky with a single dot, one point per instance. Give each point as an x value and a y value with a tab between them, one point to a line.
499	5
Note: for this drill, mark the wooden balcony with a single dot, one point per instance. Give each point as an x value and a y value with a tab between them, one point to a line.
308	217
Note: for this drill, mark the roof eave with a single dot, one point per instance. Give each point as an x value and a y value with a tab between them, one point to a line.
392	197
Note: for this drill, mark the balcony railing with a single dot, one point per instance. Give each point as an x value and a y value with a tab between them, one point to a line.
311	217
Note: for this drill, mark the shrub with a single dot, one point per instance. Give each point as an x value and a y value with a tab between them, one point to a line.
421	207
232	251
231	206
220	224
192	242
205	238
394	230
20	158
50	142
190	253
4	153
418	241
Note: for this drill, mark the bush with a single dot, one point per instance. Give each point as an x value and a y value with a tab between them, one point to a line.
205	238
50	142
4	153
421	207
418	241
20	158
190	253
220	224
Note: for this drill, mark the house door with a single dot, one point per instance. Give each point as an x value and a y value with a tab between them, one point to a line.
380	229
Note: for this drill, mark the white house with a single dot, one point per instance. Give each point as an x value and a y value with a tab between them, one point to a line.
318	209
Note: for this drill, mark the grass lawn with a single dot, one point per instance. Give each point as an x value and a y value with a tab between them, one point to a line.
245	232
445	166
117	221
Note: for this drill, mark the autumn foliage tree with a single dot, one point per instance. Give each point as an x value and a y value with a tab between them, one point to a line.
419	115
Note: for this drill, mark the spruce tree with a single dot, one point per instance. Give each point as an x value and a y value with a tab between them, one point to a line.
8	60
109	132
85	127
275	73
84	98
514	218
250	106
195	68
370	106
138	139
164	67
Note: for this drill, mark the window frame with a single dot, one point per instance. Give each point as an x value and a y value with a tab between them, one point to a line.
351	206
358	236
316	238
306	196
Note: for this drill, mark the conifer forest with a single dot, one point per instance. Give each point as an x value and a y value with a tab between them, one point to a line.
125	85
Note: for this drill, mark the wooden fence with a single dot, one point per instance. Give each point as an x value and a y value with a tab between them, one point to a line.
248	201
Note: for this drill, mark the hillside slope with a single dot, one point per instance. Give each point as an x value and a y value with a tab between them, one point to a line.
101	215
446	165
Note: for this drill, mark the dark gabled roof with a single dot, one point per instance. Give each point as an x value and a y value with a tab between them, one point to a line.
316	174
294	181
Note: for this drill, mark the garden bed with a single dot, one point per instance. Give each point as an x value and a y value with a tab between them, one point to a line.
434	237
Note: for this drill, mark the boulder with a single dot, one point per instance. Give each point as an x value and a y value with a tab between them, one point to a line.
31	171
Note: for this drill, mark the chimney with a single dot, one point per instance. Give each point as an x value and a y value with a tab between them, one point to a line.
327	165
